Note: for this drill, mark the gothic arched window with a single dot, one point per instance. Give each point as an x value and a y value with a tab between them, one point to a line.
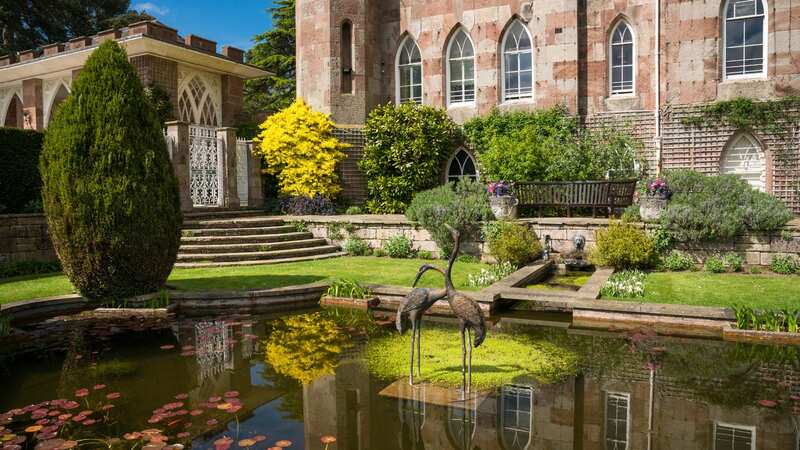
623	61
517	63
745	45
744	158
461	166
460	69
409	72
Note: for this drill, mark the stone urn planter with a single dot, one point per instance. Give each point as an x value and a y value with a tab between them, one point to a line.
651	207
504	207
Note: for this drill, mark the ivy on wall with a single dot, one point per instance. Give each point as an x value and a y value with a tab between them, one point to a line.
776	117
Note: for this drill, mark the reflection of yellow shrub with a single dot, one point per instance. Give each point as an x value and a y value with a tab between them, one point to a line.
298	147
305	347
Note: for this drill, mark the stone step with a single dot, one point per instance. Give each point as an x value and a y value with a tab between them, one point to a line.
246	239
244	257
259	262
215	213
237	222
247	231
252	247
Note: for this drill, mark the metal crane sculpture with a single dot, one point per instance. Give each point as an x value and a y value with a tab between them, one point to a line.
414	306
467	311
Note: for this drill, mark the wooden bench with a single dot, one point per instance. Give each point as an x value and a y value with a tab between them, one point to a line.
576	194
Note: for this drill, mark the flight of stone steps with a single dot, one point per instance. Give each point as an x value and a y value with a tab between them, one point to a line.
243	237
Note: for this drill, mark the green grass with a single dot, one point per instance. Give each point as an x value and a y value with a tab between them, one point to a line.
722	290
503	358
364	269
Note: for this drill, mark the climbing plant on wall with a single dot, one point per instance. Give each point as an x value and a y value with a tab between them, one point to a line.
777	117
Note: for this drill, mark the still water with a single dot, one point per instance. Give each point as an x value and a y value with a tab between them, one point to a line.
260	382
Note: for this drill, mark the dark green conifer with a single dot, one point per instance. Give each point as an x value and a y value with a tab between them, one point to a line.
109	191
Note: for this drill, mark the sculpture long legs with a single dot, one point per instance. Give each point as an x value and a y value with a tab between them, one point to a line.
413	338
419	351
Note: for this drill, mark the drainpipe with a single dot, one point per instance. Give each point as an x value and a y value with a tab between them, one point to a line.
657	54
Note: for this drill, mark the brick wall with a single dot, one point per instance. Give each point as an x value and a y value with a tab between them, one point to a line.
23	237
161	72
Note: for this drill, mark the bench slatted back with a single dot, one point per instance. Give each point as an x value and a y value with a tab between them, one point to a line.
576	194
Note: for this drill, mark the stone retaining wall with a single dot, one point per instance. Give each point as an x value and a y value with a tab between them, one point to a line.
377	229
23	237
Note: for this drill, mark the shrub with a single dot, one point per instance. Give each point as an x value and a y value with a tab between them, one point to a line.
733	261
623	246
399	246
298	146
23	268
625	284
461	205
312	206
756	270
714	264
784	264
109	190
406	146
512	242
356	246
662	239
677	261
354	211
546	145
20	182
424	254
492	274
631	214
709	208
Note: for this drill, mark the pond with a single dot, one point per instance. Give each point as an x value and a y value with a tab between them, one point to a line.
289	381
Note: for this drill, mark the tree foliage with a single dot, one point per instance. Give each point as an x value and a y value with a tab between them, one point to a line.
30	24
548	145
109	191
274	50
298	146
406	147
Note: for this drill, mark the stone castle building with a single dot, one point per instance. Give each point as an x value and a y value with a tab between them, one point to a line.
643	64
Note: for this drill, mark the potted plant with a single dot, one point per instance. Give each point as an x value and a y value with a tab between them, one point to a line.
654	200
502	200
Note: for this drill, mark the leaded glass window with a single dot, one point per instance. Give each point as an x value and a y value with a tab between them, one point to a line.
409	73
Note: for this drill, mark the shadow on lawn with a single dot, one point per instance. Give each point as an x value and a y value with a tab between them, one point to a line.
242	282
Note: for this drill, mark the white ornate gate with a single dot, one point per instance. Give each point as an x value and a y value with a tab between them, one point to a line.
205	167
243	170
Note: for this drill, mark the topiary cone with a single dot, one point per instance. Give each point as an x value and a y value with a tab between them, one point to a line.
109	191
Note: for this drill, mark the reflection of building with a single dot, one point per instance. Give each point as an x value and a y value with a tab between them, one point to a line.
615	411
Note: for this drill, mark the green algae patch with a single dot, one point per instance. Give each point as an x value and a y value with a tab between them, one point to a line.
503	358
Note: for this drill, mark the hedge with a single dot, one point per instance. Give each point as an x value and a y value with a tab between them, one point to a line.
20	182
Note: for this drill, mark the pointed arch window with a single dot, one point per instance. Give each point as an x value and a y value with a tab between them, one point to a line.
462	166
460	69
409	72
195	104
745	46
623	64
517	63
745	159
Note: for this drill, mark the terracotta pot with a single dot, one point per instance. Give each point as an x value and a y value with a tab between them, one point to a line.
651	207
504	207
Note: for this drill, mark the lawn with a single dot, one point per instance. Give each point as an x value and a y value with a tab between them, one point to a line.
365	269
708	289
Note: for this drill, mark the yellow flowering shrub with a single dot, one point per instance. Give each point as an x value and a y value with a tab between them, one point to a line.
298	147
305	347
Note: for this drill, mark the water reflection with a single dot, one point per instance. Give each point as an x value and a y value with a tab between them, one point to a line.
635	391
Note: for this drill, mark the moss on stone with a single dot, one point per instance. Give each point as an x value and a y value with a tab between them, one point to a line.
502	359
